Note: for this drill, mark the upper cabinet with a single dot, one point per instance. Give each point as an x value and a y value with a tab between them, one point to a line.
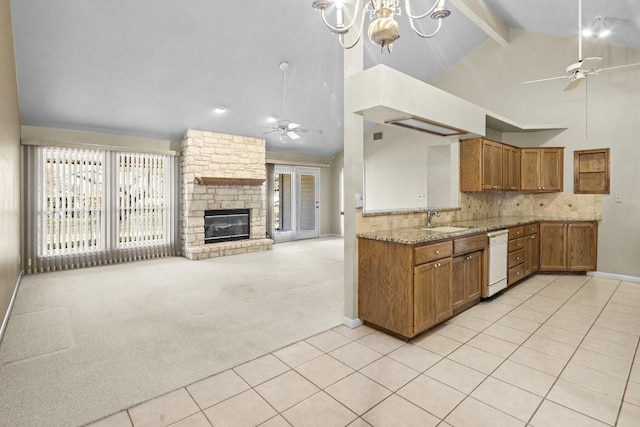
542	169
488	165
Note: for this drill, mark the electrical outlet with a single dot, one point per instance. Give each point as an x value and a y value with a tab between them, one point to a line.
618	198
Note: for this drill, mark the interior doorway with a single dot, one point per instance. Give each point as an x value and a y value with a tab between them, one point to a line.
296	203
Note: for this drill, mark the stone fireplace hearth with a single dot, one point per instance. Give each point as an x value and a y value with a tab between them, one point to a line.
222	172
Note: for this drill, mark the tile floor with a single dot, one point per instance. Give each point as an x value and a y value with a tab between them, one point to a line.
551	351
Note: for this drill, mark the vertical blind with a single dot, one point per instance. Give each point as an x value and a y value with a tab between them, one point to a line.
92	207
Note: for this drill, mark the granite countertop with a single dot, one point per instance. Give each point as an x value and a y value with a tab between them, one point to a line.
415	235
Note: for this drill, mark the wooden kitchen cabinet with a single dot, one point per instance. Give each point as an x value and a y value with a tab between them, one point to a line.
531	249
467	280
523	256
433	293
482	165
510	168
568	246
541	169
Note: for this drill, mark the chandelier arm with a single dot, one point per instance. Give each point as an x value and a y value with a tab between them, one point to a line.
426	36
346	28
341	36
407	6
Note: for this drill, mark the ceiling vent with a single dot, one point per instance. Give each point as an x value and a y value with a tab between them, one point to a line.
377	136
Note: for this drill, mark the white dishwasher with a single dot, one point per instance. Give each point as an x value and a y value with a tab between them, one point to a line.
498	245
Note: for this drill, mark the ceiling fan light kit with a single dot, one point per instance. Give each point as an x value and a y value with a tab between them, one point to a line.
383	28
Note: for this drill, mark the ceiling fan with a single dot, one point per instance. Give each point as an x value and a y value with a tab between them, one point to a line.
585	67
288	130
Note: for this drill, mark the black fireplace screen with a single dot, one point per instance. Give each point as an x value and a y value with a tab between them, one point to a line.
223	225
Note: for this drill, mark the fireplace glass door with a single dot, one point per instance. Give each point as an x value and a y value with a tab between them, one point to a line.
296	203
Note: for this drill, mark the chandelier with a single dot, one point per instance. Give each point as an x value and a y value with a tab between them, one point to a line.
383	29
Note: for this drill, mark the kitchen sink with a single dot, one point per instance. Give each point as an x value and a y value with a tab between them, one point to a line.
443	229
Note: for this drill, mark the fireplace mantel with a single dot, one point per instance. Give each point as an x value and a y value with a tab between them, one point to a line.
208	180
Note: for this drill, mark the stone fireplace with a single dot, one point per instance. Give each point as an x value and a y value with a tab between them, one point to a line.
223	178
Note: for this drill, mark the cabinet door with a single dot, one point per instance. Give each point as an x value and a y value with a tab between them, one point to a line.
459	283
496	164
553	247
515	169
581	244
510	168
424	304
530	169
443	272
531	254
473	283
487	165
551	169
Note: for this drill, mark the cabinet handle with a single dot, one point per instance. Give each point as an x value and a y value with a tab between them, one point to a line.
533	237
517	273
543	188
569	225
513	188
517	257
437	252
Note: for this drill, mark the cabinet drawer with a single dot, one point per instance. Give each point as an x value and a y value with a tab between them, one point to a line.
516	244
516	257
469	244
432	252
515	273
515	232
530	229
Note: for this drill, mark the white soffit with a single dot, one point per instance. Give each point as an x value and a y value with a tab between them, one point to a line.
502	124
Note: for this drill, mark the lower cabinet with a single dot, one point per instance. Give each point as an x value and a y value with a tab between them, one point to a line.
568	246
433	293
467	280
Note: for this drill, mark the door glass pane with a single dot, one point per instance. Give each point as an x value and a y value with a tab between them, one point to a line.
307	202
282	202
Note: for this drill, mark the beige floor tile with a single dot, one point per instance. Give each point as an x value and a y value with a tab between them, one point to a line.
324	371
519	323
608	348
617	326
389	373
495	305
629	415
542	304
604	363
454	374
431	395
527	314
526	378
217	388
358	393
513	301
568	324
559	334
261	369
635	371
359	422
475	358
245	409
550	414
540	361
509	399
436	343
415	357
493	345
328	341
397	412
506	333
620	308
355	355
549	346
471	322
585	401
632	394
484	313
613	336
121	419
298	354
582	308
631	318
594	379
286	390
381	342
320	410
164	410
473	413
277	421
456	332
354	333
196	420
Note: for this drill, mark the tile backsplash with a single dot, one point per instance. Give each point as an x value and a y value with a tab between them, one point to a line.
475	206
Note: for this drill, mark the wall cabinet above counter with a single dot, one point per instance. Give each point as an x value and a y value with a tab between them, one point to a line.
487	165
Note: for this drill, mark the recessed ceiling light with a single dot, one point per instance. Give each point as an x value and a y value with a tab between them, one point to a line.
587	32
604	33
272	118
221	109
418	123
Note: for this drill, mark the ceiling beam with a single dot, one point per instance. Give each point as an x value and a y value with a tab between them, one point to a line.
481	15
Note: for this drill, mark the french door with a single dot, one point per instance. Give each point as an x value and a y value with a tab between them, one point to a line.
296	207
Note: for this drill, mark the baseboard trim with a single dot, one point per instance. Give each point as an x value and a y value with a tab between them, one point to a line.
352	323
331	235
614	276
5	321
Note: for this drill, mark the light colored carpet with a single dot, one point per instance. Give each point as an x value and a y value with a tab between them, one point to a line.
83	344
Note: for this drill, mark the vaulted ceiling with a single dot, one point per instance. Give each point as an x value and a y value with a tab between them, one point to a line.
158	67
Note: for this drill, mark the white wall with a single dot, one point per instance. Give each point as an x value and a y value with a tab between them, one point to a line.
406	164
492	76
9	164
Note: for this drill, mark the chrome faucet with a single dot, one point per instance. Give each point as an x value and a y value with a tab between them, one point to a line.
430	214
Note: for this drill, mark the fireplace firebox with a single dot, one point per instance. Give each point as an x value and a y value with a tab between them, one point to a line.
224	225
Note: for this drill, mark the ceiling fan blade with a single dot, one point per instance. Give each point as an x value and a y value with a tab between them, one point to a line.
293	125
304	130
293	135
545	80
589	63
618	68
261	127
270	131
573	84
